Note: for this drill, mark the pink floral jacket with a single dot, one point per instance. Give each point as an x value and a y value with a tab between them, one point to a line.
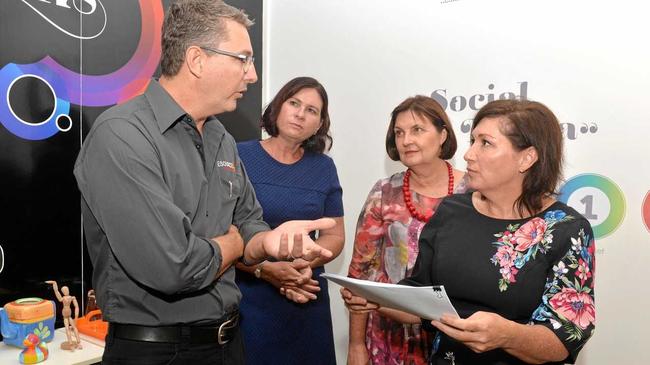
385	249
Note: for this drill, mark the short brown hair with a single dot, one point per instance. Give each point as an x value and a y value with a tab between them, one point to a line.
429	109
530	124
194	22
319	142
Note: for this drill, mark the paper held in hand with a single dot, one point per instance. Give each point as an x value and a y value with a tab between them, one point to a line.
429	302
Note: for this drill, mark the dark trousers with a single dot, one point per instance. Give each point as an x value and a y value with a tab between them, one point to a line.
128	352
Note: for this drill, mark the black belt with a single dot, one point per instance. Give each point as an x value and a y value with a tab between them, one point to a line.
221	333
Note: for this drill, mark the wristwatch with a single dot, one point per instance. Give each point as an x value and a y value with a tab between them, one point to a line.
258	270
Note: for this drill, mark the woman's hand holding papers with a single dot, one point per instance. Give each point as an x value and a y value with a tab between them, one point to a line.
357	304
484	331
481	332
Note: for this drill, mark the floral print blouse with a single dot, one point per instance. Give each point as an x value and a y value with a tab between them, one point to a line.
385	250
538	270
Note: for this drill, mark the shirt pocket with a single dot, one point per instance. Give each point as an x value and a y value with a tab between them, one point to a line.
229	191
231	183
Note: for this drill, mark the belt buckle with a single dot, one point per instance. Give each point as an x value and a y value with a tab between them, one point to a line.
230	323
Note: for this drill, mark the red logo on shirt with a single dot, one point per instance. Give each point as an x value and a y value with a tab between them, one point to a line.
226	165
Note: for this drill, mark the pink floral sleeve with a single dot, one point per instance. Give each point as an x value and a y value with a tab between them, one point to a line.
568	306
369	236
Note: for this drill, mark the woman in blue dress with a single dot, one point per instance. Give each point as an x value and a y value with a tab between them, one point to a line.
285	310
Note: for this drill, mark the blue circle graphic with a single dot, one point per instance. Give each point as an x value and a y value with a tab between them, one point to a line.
37	131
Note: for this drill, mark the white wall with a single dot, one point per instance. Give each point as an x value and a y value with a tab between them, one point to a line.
585	59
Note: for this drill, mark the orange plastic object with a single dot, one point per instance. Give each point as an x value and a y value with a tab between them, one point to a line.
92	325
29	310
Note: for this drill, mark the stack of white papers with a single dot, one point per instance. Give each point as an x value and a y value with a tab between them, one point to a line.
428	302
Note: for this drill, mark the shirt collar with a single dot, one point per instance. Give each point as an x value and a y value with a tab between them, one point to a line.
164	107
167	111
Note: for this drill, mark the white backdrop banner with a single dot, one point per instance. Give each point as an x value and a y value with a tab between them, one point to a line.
586	60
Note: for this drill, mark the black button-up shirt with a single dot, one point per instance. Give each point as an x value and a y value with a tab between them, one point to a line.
154	191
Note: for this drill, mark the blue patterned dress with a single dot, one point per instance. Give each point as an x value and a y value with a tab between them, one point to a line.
277	330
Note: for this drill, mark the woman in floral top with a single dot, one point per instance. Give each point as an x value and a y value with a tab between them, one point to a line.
517	265
421	137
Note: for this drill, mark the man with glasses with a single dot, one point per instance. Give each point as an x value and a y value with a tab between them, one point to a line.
167	205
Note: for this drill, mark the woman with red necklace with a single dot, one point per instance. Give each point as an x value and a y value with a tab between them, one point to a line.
386	241
517	264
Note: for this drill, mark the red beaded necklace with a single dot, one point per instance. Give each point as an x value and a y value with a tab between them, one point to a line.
406	191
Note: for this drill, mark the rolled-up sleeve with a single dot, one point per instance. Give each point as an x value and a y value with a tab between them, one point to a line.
248	212
121	180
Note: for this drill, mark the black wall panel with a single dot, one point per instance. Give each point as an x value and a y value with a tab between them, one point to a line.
58	71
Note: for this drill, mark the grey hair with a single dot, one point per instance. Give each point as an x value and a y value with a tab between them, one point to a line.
195	22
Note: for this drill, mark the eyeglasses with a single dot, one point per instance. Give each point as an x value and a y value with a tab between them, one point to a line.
246	60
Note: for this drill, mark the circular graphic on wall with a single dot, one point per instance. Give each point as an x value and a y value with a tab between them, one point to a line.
645	212
70	87
598	199
2	259
34	131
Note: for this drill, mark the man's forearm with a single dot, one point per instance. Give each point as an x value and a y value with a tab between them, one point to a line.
231	246
254	252
228	257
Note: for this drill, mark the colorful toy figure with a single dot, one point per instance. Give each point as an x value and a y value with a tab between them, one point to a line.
35	350
24	316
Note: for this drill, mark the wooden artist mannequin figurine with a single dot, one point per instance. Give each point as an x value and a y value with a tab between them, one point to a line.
69	322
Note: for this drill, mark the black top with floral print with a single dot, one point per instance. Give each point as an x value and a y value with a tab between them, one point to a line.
537	270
